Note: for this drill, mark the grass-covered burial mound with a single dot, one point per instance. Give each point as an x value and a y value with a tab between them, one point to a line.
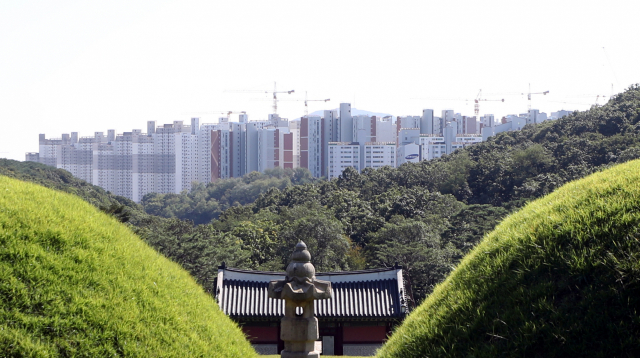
76	283
559	278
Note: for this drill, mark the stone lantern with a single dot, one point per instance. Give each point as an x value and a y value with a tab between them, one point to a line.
299	289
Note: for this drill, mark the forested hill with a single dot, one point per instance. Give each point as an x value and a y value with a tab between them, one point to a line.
521	165
205	202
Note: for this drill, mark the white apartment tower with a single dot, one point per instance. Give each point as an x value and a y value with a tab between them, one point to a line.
346	123
341	156
379	154
426	122
447	117
187	159
143	176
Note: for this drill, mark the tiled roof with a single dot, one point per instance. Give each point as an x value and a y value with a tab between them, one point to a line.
353	295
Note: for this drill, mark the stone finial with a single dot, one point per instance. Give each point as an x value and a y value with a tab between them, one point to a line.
300	268
299	289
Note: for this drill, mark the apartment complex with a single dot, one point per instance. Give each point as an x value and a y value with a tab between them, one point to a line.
169	158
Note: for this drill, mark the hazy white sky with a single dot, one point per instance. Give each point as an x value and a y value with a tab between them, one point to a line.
90	66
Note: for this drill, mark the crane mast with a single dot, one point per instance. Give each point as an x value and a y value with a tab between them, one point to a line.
476	106
274	93
306	102
529	96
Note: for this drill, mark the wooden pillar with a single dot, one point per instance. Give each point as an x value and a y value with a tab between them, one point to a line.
338	350
280	341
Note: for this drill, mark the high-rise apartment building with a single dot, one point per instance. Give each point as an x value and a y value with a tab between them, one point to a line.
345	133
341	156
143	176
447	117
379	154
470	125
311	151
432	146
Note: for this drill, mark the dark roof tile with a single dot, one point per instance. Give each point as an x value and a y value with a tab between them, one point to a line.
363	299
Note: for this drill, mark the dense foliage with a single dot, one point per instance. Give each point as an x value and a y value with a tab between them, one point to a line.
560	278
76	283
205	202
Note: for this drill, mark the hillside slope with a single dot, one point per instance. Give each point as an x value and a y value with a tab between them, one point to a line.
76	283
561	277
60	179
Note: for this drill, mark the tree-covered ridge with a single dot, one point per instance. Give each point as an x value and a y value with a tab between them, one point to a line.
205	202
427	232
522	165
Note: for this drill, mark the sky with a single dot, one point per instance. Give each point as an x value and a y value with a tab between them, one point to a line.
87	66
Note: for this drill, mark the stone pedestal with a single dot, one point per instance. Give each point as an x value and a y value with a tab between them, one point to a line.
299	335
299	289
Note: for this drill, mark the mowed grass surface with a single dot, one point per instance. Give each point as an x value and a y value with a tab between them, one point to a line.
76	283
560	278
278	356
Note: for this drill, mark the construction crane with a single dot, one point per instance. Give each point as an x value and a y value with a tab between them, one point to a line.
306	105
601	96
228	113
476	106
274	93
476	101
579	98
530	93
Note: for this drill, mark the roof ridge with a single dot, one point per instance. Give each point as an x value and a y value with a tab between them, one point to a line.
282	273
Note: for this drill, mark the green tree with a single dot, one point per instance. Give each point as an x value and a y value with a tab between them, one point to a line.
470	225
260	240
417	247
200	250
322	233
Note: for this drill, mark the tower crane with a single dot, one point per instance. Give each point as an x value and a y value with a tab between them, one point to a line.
274	93
306	105
530	93
604	98
228	113
476	101
476	106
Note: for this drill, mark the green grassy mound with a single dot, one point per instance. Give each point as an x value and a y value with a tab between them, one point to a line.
76	283
559	278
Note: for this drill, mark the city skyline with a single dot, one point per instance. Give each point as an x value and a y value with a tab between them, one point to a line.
75	66
171	157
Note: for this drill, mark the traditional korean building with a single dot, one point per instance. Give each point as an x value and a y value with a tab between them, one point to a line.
365	306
